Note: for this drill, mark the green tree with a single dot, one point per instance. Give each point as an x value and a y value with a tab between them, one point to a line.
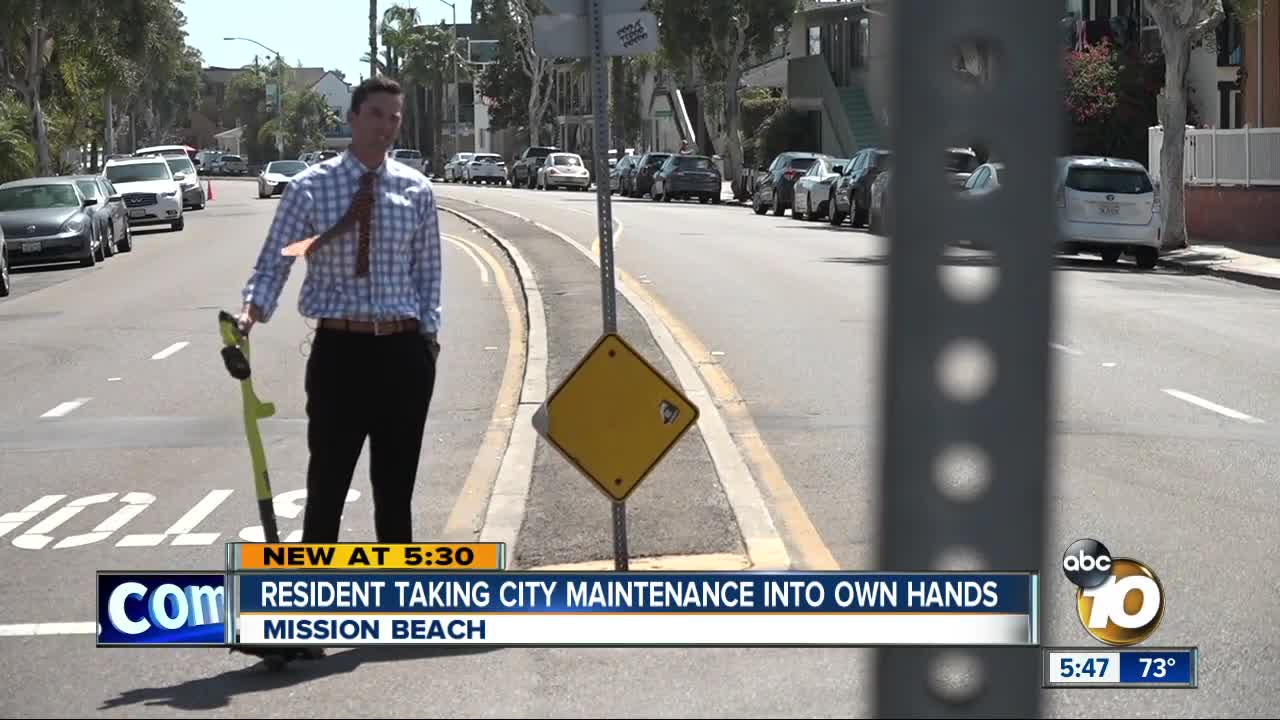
428	58
717	37
17	155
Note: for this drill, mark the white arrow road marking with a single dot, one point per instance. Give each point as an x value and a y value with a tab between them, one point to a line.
12	521
289	505
135	503
184	526
38	536
66	407
170	350
49	628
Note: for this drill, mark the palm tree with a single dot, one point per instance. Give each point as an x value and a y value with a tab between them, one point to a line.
373	38
17	155
426	59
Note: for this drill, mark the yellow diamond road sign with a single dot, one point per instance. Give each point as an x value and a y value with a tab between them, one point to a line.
615	417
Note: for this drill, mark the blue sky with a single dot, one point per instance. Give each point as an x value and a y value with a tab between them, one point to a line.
332	34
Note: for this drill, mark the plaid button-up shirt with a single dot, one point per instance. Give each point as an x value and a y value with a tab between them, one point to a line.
405	265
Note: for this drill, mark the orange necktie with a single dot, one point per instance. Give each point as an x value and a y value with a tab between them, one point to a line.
360	213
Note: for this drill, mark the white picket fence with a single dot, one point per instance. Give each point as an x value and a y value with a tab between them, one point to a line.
1223	157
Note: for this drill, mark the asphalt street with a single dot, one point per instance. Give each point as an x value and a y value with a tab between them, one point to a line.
1165	394
1165	416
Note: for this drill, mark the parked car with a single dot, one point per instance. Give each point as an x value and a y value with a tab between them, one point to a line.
1110	207
813	192
563	170
524	171
961	162
852	192
193	194
642	178
879	215
774	188
232	165
150	190
6	286
486	168
409	157
48	220
276	175
453	168
618	171
109	213
686	176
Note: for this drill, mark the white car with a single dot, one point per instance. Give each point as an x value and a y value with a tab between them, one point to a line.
564	170
485	168
152	193
1110	207
275	177
453	168
412	158
193	194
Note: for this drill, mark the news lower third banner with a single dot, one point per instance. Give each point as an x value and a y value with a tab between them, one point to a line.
267	596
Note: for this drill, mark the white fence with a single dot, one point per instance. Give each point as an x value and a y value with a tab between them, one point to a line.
1223	157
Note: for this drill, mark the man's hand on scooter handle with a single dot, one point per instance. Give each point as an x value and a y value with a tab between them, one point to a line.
249	315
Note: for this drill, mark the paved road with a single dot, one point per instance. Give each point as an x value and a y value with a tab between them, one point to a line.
783	314
1166	411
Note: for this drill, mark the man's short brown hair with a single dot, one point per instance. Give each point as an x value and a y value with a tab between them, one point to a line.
375	84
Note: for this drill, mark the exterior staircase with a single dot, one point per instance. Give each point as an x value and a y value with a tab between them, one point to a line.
862	120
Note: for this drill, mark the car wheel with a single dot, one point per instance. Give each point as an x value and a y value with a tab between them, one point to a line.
1146	257
1111	256
91	259
755	204
179	223
834	216
109	248
777	207
100	253
127	244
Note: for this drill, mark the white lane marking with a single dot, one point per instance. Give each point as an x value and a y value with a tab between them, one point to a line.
464	247
38	536
1109	364
66	407
135	503
1221	410
49	628
1063	348
184	525
113	379
170	350
12	521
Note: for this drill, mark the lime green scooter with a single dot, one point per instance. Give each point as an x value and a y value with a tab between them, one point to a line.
235	355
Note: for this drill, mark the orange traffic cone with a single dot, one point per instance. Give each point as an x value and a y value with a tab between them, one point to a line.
210	190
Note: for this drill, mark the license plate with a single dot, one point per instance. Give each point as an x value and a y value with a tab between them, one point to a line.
31	247
137	213
1109	209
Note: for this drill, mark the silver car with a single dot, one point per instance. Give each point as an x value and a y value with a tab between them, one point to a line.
276	175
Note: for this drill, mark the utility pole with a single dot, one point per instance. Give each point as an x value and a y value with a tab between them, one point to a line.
279	93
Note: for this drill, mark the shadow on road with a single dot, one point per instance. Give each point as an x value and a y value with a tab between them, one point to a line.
215	692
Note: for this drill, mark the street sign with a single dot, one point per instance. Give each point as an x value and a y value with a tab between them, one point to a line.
482	52
615	417
623	33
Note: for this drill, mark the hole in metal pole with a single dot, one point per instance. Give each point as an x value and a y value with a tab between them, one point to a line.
970	283
960	558
962	472
966	370
955	677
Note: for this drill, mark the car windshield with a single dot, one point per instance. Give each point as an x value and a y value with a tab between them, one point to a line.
88	187
961	162
411	154
1109	180
138	172
288	168
491	159
802	163
38	197
568	160
180	165
693	162
231	158
656	160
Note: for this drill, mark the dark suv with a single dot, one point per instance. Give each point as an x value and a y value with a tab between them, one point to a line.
642	175
775	189
853	189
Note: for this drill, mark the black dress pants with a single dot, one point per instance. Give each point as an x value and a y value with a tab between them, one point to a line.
365	386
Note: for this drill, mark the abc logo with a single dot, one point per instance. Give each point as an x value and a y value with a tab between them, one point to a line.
1120	601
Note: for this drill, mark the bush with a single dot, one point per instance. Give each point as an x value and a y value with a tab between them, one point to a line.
756	105
785	129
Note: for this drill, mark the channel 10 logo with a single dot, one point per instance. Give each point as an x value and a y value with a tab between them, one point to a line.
1120	601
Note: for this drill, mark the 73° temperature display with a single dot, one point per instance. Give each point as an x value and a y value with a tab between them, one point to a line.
1148	667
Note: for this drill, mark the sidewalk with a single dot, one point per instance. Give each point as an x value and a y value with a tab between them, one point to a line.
680	509
1256	265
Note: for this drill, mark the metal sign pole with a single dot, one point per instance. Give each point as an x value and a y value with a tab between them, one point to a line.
991	435
608	292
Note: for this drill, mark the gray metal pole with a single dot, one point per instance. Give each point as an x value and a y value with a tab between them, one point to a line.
1005	423
457	89
608	291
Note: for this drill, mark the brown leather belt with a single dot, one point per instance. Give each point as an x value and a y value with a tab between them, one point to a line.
371	327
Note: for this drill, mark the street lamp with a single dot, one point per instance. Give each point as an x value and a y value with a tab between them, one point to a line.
457	139
279	93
